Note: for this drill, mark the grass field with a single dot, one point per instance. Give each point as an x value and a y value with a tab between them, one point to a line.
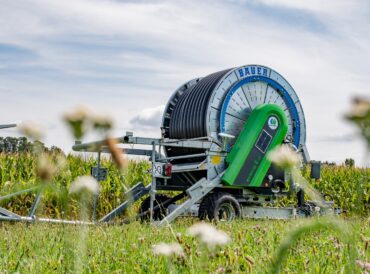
256	246
43	248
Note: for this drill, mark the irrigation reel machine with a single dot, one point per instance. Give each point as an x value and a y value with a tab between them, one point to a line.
216	134
212	157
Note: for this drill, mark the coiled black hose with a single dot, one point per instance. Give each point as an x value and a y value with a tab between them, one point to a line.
188	119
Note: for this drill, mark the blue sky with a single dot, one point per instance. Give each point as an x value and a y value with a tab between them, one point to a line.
125	58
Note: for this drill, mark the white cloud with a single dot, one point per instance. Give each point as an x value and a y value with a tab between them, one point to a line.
148	118
335	7
128	56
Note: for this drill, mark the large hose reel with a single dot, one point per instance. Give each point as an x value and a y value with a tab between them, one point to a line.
222	101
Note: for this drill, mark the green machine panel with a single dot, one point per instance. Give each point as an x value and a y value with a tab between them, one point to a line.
247	161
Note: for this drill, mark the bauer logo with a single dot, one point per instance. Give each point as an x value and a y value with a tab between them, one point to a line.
273	123
253	71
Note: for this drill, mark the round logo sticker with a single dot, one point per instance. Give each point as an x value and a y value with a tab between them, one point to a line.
273	123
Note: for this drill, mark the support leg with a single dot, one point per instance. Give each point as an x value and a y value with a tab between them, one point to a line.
300	198
37	201
153	188
96	195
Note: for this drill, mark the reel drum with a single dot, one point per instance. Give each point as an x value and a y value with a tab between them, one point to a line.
221	103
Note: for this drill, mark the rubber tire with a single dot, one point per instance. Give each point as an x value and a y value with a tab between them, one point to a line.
211	204
158	213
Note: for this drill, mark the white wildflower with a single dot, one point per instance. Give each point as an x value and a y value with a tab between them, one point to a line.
60	162
77	120
209	235
168	249
101	121
364	265
79	113
360	115
45	168
360	108
284	157
220	269
84	183
31	130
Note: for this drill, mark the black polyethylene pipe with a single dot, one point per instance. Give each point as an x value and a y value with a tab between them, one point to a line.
188	119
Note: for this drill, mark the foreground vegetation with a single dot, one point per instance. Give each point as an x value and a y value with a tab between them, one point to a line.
256	246
43	248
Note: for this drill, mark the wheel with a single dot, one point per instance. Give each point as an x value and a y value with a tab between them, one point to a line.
158	213
219	206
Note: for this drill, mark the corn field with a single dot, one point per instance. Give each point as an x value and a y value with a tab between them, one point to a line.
349	187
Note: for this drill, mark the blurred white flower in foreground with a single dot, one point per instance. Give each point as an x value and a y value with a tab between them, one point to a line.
116	153
101	121
364	265
81	119
31	130
209	235
360	115
84	183
168	249
79	113
77	119
360	108
284	157
45	168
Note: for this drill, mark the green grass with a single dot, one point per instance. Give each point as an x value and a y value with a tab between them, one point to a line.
257	246
42	248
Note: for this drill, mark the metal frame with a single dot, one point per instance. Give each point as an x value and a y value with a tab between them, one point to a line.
7	126
193	193
196	191
132	195
6	215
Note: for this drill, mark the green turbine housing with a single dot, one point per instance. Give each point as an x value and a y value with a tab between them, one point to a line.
247	161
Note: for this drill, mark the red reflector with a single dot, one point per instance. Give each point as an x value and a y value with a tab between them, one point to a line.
168	170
